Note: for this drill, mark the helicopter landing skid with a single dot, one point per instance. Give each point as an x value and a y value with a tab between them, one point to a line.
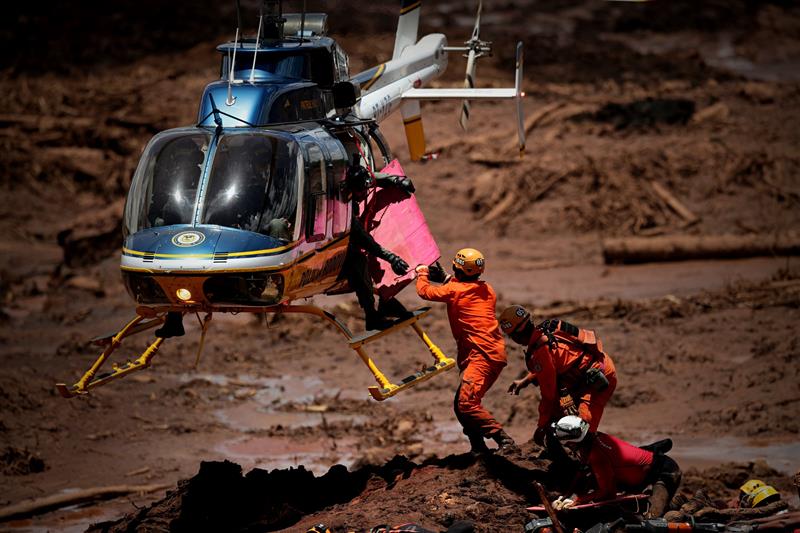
385	388
88	381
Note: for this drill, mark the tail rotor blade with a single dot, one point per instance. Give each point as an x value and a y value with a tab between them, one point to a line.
476	30
469	79
469	83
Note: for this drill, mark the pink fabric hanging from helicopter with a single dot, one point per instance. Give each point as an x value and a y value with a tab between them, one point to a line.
397	223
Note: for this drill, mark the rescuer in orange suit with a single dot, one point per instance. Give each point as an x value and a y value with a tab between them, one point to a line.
481	349
567	362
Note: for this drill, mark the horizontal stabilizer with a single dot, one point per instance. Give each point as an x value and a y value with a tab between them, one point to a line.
458	93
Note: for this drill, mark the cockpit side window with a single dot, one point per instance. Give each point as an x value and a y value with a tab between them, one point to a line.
341	63
165	184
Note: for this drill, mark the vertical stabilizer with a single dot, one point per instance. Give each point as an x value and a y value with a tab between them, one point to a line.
407	26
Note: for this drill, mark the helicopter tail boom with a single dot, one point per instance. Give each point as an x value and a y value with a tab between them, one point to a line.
397	84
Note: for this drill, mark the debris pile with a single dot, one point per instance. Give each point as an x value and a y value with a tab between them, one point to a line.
20	462
491	491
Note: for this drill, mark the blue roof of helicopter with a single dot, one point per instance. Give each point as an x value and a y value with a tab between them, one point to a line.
259	104
270	97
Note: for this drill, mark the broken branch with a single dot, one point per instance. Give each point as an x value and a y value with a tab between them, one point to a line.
57	501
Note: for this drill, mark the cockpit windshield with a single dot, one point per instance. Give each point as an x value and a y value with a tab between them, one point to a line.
165	184
253	185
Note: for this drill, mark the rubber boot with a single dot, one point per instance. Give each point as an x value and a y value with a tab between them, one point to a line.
376	321
477	444
658	501
503	440
393	308
173	326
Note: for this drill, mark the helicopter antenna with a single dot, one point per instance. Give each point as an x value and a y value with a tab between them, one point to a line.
258	42
238	14
303	23
232	99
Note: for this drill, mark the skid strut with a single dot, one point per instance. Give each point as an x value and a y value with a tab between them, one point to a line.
88	381
385	388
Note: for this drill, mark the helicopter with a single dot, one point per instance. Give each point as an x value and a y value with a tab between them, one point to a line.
248	211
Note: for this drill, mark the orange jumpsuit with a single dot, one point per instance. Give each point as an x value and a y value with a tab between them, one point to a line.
564	367
481	349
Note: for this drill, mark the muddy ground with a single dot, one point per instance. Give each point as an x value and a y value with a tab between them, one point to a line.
703	100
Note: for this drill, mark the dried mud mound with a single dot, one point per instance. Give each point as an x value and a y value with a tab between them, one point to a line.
491	491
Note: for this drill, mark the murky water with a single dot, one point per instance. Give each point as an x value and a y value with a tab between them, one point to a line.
782	456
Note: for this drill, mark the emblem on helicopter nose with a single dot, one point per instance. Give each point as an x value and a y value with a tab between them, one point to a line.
188	238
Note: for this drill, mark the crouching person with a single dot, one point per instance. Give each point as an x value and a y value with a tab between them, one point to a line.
565	361
617	466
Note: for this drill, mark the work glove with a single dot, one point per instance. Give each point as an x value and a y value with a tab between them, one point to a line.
563	503
516	386
399	266
539	436
437	273
401	182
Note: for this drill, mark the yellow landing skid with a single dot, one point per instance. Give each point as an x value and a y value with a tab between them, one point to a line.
147	318
88	380
386	389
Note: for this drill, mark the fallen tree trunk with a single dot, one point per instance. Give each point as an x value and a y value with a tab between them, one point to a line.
683	247
711	514
56	501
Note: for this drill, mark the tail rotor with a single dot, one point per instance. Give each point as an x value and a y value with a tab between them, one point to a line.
477	48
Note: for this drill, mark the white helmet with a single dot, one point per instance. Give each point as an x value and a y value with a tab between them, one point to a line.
571	429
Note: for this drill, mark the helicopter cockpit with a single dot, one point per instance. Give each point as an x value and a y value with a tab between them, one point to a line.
250	183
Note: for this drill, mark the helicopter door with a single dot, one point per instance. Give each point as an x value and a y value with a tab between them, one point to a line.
317	226
339	204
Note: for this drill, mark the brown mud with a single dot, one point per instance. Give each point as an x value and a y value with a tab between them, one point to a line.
701	99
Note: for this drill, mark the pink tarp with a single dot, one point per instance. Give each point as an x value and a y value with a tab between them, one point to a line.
397	223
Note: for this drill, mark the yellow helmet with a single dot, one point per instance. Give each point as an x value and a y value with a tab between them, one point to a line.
469	261
750	486
756	493
512	318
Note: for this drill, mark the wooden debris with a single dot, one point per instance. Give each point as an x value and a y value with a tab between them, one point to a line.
57	501
796	482
501	207
674	204
711	514
138	472
684	247
714	113
547	507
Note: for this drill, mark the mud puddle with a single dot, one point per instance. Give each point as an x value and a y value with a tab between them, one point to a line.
701	453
